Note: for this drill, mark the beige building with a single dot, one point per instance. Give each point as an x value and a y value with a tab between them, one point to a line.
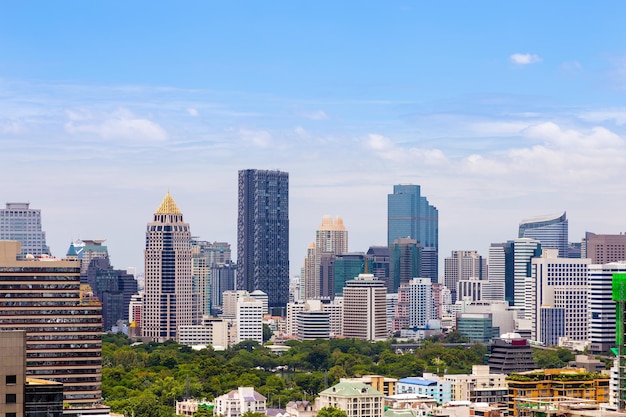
168	299
64	331
380	383
355	398
473	387
331	237
365	308
12	372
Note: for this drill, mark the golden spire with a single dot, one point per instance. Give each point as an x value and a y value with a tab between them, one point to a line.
168	205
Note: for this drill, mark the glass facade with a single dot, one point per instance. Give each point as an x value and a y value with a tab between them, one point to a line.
551	231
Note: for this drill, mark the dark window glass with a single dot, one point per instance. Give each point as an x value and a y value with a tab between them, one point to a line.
11	379
11	399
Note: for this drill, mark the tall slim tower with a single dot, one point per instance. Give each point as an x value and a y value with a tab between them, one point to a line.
330	238
365	308
19	222
168	301
263	234
409	215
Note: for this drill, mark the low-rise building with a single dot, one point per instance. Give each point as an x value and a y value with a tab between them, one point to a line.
481	386
355	398
380	383
429	385
239	401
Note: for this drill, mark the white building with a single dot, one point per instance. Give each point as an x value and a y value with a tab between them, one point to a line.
421	303
557	289
249	319
477	386
239	401
601	307
463	265
524	249
364	308
471	288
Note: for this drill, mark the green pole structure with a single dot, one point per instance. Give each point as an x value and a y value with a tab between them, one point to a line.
619	296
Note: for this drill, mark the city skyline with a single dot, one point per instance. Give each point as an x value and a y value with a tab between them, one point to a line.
499	113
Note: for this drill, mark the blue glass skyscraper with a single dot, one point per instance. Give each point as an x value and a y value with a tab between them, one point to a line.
409	215
551	231
263	234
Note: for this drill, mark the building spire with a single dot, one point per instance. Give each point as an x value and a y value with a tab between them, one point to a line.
168	205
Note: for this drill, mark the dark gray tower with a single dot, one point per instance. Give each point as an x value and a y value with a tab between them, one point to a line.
263	234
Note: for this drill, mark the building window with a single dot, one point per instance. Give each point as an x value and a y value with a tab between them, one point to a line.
11	414
11	379
11	399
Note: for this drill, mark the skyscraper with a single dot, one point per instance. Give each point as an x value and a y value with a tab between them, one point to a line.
404	261
168	300
500	273
524	250
330	238
551	231
463	265
19	222
409	215
365	308
601	306
263	234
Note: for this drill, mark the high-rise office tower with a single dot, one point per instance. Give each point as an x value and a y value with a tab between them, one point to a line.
379	256
19	222
168	299
222	279
551	231
347	266
404	261
524	249
463	265
365	308
330	238
409	215
603	249
63	332
557	284
500	273
421	303
601	306
263	234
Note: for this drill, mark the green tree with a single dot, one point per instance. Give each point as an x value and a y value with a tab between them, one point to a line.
331	412
267	332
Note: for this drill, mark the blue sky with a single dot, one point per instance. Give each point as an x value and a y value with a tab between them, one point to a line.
500	111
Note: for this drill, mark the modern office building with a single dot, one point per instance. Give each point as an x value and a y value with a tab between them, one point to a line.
63	331
551	231
409	215
88	250
379	257
201	280
560	283
601	306
313	325
604	249
249	319
168	298
463	265
524	249
347	266
222	279
404	262
364	308
331	238
477	327
19	222
500	273
421	304
263	234
511	353
470	289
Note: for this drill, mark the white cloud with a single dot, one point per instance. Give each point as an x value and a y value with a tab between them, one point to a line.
497	128
524	59
121	124
192	112
316	115
386	149
258	138
616	115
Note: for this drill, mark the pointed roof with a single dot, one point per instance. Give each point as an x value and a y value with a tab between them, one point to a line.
168	206
72	250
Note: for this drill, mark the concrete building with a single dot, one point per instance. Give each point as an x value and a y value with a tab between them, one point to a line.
461	266
550	230
470	289
409	215
240	401
263	235
249	319
364	308
429	385
64	332
19	222
201	276
313	325
477	327
500	273
222	279
601	306
479	386
355	398
421	305
511	353
557	283
387	386
12	372
331	238
168	292
604	249
524	250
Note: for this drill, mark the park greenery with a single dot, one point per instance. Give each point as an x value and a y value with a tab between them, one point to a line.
147	379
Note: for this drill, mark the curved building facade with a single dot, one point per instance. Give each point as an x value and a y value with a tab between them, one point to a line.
551	231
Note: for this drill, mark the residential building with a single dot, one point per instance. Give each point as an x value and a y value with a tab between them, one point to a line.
63	330
387	386
355	398
556	383
331	238
404	263
429	385
604	249
601	306
249	319
19	222
479	386
463	265
409	215
238	402
263	235
168	292
421	305
551	231
558	283
364	308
